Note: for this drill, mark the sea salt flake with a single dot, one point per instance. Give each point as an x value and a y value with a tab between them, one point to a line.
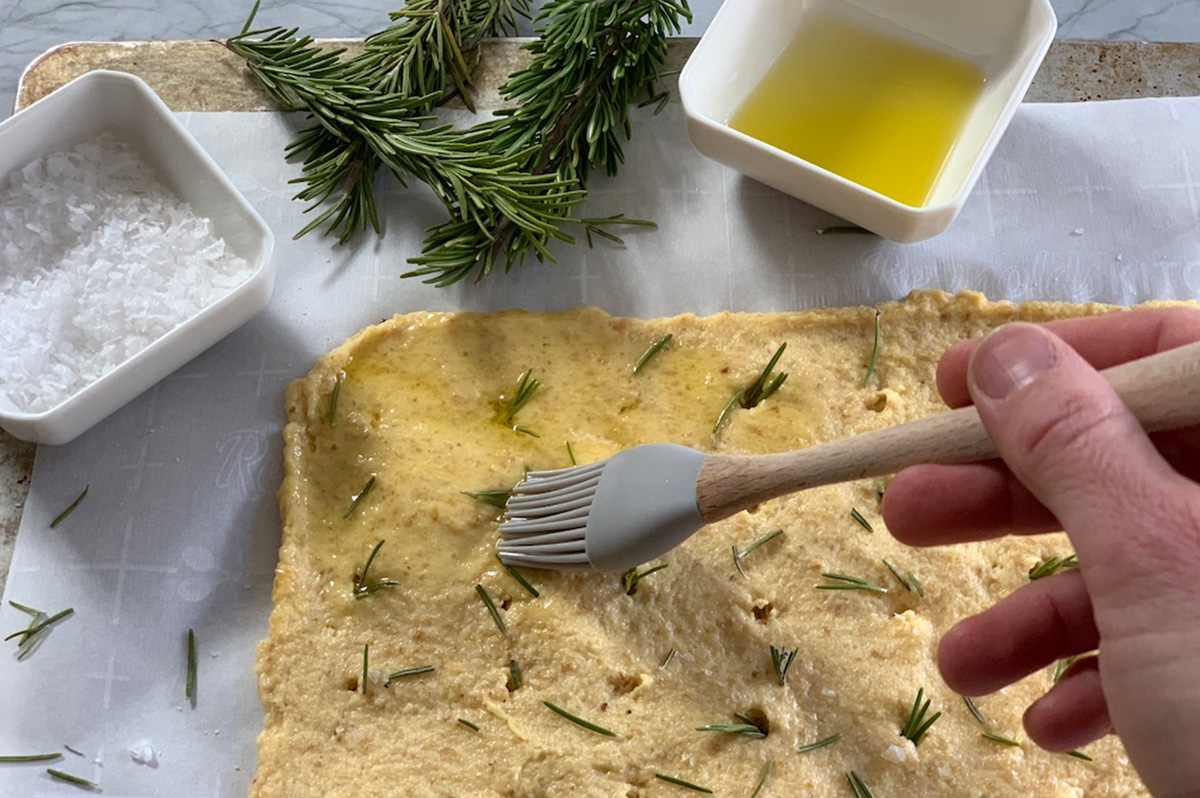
143	753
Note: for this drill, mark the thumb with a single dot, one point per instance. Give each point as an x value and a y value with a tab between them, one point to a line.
1066	435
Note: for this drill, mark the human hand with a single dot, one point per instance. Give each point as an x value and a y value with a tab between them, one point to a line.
1075	459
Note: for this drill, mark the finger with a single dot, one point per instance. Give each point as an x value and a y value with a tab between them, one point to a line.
1041	622
928	505
1066	435
1100	340
1073	712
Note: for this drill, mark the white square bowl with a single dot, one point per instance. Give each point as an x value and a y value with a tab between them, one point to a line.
1006	39
132	113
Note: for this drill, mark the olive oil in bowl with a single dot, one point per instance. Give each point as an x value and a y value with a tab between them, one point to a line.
872	108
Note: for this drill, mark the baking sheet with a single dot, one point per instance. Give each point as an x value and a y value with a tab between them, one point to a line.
179	528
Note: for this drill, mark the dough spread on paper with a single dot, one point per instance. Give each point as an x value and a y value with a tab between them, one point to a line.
418	398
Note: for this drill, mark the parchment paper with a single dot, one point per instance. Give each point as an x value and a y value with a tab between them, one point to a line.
179	528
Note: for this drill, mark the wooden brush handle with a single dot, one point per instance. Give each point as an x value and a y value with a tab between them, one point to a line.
1162	391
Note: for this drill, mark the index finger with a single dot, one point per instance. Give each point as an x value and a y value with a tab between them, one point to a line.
1102	341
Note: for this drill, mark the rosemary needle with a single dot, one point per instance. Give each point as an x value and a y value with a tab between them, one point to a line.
864	523
861	790
845	582
492	609
406	673
874	350
58	519
917	725
974	710
630	579
30	758
650	353
496	498
571	454
667	659
762	782
514	673
366	667
819	744
333	401
999	738
78	781
725	411
189	688
687	785
1080	755
527	386
515	574
579	721
362	494
468	724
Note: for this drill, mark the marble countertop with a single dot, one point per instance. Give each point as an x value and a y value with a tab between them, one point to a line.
29	28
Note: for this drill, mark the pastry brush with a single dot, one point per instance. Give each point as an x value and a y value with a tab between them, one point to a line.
640	503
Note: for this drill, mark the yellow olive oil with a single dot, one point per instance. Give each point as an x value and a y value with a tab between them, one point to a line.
872	108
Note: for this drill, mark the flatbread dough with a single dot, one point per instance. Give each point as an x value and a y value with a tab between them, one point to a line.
418	398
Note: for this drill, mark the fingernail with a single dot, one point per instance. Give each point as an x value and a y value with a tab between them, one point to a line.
1010	358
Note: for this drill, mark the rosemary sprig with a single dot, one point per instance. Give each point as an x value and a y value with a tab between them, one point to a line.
781	661
591	60
766	384
514	673
917	724
667	659
578	721
974	710
819	744
1080	755
846	582
357	499
468	724
30	758
58	519
863	522
331	417
756	392
492	609
861	790
650	353
515	574
407	673
1000	738
496	498
738	556
363	588
874	350
908	580
630	579
366	668
1051	566
527	386
762	781
189	682
78	781
687	785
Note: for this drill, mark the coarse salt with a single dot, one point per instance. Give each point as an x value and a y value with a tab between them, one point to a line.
98	259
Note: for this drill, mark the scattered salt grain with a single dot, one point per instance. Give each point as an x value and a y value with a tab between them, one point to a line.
1078	231
142	752
895	753
98	259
